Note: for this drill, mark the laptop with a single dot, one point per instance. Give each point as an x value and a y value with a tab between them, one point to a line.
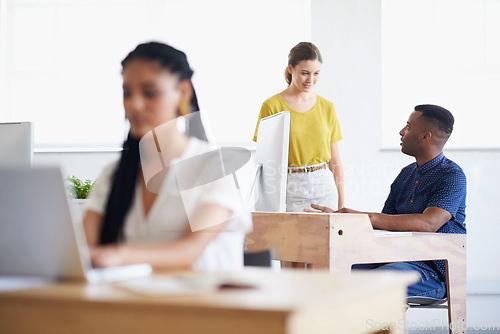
38	235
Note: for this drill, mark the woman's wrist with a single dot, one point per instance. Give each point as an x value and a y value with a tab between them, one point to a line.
125	254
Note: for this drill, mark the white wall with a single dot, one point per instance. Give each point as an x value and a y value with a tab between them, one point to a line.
348	35
84	165
238	51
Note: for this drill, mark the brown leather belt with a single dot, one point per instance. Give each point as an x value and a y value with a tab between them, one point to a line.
306	169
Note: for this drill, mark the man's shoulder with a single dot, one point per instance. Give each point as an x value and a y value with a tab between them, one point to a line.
450	167
449	175
448	163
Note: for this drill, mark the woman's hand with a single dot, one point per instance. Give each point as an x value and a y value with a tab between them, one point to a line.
108	256
319	208
326	209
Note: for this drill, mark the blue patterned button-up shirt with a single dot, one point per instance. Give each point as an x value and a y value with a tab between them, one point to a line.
437	183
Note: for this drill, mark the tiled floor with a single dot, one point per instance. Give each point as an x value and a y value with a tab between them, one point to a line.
483	316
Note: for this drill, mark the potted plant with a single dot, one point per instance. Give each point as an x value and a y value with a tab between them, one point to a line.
78	192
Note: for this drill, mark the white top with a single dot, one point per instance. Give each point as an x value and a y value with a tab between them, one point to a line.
168	219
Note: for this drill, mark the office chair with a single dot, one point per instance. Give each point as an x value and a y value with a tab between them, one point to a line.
257	259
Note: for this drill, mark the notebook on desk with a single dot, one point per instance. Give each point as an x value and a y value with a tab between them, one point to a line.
38	235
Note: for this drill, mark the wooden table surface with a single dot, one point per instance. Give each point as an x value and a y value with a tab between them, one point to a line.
263	301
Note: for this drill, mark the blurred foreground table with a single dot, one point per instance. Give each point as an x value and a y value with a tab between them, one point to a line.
256	301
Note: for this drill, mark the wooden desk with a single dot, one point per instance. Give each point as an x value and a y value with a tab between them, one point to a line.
337	241
287	302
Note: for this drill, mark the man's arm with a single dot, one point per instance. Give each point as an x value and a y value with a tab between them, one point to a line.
429	221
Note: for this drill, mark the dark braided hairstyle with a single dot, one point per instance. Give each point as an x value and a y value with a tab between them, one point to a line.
125	177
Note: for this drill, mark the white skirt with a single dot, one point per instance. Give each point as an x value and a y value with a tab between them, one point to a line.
306	188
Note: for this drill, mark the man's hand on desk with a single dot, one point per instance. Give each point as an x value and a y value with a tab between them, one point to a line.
325	209
346	210
429	221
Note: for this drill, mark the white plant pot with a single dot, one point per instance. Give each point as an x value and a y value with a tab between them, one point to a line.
78	207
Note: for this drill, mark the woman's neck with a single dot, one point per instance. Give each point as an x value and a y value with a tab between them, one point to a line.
166	143
296	94
173	143
298	100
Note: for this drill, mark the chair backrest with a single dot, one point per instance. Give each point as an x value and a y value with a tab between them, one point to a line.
257	259
427	302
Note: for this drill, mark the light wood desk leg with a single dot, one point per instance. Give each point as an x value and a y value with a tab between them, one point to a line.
457	295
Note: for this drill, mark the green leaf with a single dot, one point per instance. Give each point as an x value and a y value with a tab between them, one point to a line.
78	189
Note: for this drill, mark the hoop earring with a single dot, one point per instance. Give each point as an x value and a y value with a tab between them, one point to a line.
184	108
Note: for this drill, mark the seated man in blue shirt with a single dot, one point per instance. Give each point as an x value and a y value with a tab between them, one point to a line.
427	195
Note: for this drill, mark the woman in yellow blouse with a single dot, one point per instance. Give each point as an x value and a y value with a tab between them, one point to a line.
315	172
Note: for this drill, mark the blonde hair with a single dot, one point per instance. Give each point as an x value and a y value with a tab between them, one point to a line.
300	52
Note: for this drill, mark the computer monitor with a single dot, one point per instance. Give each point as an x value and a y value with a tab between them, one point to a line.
16	144
273	140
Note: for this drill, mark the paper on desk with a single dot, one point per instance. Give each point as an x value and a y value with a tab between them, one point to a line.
168	285
385	233
182	285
